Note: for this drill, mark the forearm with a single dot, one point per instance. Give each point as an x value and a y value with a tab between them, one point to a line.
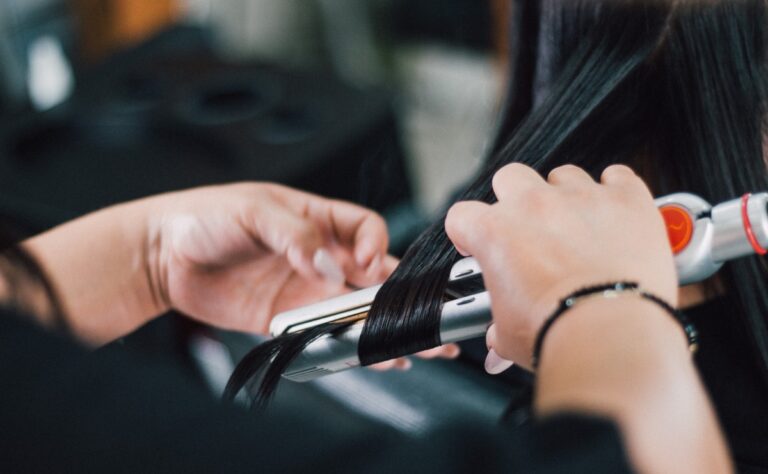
627	359
99	268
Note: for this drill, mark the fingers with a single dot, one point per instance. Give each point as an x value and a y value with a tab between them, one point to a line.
350	224
622	178
513	179
298	239
494	363
360	232
361	229
389	265
465	224
516	177
618	175
448	351
402	363
361	239
375	273
490	337
461	226
324	263
569	175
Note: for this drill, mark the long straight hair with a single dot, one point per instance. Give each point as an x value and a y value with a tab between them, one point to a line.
674	89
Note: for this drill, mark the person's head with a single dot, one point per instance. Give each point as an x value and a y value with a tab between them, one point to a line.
675	89
687	113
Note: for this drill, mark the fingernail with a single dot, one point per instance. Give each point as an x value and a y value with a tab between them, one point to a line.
406	364
327	267
495	364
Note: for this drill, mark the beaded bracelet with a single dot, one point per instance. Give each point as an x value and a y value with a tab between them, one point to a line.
613	290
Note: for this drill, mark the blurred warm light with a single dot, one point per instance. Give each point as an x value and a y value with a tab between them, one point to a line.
108	25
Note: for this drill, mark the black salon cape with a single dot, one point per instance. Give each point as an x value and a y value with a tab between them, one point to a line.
63	409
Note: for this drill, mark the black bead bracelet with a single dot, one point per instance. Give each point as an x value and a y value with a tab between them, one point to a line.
613	290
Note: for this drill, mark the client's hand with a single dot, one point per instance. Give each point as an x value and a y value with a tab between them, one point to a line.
545	239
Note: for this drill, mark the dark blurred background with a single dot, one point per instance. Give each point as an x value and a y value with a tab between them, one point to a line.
385	102
388	103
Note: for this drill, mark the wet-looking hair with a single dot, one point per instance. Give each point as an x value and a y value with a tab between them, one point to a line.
674	89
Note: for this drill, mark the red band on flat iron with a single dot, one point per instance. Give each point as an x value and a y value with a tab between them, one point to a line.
748	226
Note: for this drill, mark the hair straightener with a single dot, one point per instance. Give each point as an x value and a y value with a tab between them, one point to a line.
702	238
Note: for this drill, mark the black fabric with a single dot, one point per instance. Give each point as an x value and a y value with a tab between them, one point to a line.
734	381
64	409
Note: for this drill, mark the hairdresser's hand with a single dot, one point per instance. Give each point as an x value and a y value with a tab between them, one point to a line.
233	256
545	239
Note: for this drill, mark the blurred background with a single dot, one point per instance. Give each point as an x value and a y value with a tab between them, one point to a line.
262	78
388	103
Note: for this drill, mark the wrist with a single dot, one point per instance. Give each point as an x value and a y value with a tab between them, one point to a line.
152	252
620	316
603	345
99	266
620	289
131	244
626	359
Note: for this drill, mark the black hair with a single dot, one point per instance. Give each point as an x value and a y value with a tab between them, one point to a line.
676	89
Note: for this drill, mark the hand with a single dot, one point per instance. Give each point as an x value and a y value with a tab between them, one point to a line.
545	239
233	256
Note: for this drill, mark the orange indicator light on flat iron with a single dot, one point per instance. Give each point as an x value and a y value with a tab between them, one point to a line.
679	226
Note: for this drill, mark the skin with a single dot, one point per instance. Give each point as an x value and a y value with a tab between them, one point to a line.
623	358
230	256
234	255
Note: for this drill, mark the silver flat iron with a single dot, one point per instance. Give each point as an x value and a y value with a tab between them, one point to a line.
702	237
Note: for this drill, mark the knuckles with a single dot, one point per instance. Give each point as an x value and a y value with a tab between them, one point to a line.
467	222
538	203
619	173
509	176
376	222
563	170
